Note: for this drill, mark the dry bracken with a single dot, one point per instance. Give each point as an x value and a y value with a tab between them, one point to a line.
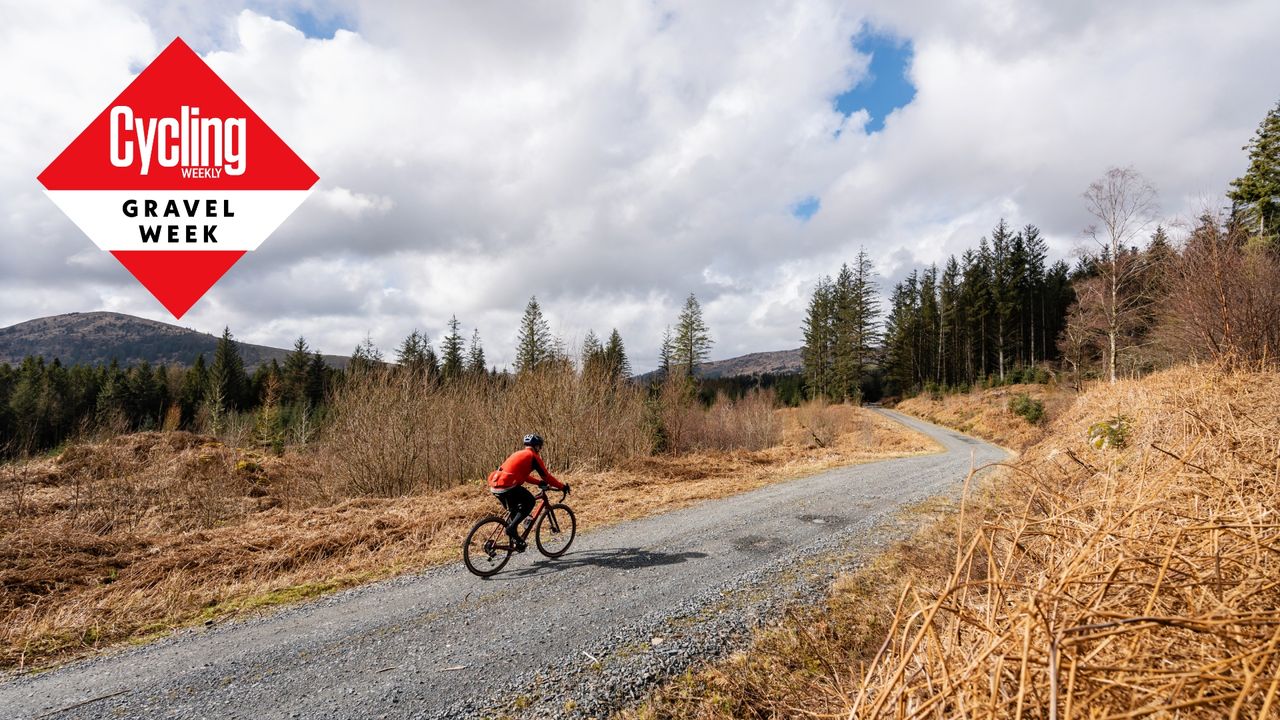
1087	580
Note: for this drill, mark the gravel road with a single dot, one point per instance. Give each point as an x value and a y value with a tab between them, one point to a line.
628	606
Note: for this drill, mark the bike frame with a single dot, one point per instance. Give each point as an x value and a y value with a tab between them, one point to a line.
542	503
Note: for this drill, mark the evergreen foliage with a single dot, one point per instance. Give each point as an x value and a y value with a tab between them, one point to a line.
452	363
475	355
691	345
592	358
365	357
665	353
615	357
295	381
43	403
841	332
228	382
1255	196
534	344
990	315
416	356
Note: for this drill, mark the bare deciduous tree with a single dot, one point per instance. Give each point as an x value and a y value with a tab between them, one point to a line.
1224	300
1124	203
1086	325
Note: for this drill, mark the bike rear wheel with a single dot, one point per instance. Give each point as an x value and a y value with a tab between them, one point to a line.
487	547
556	530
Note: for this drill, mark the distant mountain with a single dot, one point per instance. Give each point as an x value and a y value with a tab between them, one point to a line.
98	337
777	362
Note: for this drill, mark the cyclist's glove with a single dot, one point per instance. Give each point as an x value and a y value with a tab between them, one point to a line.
566	488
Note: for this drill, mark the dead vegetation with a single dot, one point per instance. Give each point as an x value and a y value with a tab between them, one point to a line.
1119	573
142	533
987	413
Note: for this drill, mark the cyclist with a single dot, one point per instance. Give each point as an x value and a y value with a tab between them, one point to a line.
505	483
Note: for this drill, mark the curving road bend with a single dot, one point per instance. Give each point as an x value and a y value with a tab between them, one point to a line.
629	605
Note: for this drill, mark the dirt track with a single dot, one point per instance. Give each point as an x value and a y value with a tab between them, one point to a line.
627	606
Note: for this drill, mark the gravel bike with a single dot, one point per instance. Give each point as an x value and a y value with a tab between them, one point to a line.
488	548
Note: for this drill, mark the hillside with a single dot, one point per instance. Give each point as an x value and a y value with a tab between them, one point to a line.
99	337
777	362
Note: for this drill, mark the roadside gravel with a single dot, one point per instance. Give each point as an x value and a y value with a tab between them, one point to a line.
577	637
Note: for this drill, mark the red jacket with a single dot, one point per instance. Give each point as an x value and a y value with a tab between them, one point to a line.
517	468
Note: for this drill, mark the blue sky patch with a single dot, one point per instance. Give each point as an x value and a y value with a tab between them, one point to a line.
318	26
806	208
885	88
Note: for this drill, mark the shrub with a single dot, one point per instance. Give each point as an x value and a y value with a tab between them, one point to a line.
680	422
393	432
1107	434
1027	407
817	422
748	423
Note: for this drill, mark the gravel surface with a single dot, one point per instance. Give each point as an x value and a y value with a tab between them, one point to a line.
627	607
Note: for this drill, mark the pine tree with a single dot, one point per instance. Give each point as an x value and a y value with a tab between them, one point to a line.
1255	196
949	321
1160	256
258	382
930	326
268	426
1036	250
592	358
665	354
615	357
365	357
534	344
1058	297
692	344
818	353
865	322
846	373
317	379
228	381
1005	270
901	337
294	374
977	301
194	383
452	364
412	353
475	355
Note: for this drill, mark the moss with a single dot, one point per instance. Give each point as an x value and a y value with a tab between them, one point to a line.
273	598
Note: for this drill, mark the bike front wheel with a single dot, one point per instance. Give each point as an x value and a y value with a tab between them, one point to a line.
487	547
556	530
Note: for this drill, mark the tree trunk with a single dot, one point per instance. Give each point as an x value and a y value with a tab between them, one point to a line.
1113	312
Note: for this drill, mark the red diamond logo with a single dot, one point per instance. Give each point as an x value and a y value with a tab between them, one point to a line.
178	178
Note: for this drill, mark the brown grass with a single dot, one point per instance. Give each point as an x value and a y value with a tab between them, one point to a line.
1127	582
147	532
986	413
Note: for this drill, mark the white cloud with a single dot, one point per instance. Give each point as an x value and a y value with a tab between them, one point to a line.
353	204
613	157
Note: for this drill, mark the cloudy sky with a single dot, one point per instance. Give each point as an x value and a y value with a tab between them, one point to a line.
613	157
